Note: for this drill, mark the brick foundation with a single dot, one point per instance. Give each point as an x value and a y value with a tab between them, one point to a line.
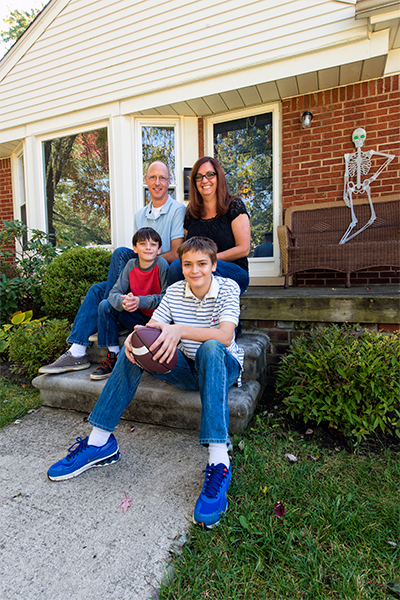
282	333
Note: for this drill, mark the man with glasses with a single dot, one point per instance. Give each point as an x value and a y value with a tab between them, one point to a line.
165	215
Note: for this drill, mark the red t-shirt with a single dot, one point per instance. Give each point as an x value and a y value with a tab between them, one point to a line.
145	283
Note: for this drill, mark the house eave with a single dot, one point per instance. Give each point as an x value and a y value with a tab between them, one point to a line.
372	8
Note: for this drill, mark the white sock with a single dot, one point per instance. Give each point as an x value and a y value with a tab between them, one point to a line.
78	350
218	453
114	349
98	437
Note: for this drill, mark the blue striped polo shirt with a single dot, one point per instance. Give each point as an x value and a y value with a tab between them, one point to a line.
181	306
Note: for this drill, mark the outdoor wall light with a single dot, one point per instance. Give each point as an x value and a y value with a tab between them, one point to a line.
306	119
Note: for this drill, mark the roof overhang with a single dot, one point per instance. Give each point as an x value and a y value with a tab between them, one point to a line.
373	9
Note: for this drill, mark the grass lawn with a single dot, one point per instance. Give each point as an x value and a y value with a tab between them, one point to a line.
339	537
16	400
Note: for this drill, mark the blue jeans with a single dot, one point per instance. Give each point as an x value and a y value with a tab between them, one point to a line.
108	319
212	372
224	269
85	322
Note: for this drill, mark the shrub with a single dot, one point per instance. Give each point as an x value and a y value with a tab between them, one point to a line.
37	343
12	293
345	378
18	318
67	279
23	255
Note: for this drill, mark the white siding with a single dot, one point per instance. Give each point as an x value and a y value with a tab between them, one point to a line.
95	52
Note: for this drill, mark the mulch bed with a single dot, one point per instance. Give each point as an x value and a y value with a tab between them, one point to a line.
272	402
7	373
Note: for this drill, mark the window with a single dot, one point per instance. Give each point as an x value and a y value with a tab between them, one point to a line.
77	185
244	149
246	145
159	143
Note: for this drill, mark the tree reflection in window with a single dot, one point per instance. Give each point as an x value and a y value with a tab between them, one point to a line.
158	143
244	149
78	188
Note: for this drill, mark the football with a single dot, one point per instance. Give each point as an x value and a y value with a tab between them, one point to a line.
142	339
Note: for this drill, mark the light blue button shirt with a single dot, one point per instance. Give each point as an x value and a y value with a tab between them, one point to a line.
169	223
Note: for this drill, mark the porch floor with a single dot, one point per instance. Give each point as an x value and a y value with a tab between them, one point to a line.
357	304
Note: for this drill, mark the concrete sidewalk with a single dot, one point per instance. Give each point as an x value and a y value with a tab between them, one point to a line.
69	539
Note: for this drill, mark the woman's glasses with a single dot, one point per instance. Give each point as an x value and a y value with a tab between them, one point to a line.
208	176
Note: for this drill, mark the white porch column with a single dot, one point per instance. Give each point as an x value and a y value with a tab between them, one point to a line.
34	184
121	180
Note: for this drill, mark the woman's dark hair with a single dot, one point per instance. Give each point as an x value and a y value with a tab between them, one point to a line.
224	198
146	233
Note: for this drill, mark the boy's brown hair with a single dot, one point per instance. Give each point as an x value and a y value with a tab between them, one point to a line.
146	233
199	244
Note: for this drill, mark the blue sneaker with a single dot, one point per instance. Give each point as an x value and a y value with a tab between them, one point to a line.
212	502
82	457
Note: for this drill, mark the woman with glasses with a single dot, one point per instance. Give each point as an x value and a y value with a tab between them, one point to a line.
214	213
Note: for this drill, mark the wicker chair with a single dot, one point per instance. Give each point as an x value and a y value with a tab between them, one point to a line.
310	237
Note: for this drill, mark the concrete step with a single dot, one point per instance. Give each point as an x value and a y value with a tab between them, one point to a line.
160	403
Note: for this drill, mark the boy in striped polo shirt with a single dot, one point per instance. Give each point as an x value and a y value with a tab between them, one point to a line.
198	316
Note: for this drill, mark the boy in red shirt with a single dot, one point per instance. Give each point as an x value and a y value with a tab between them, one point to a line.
132	300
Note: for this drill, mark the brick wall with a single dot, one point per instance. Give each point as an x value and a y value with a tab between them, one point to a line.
312	159
6	201
200	125
313	165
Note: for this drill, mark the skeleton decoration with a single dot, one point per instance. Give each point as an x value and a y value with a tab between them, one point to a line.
357	166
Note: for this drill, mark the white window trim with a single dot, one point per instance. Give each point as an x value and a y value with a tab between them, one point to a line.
261	267
18	186
176	123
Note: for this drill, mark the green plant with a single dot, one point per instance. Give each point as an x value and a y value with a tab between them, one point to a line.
346	378
18	318
37	343
23	255
11	293
68	278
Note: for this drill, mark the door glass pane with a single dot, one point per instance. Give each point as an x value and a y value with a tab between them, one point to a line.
78	187
158	143
244	149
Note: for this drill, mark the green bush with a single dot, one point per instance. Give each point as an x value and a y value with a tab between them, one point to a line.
12	294
67	279
23	255
37	343
345	378
19	318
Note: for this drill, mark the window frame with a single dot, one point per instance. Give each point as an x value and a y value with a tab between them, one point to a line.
259	267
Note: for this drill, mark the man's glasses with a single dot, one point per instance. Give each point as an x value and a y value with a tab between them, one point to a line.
208	176
161	179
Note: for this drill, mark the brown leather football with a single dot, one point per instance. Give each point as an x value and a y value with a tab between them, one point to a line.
142	339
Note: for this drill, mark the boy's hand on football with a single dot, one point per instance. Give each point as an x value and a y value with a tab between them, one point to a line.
130	303
169	338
